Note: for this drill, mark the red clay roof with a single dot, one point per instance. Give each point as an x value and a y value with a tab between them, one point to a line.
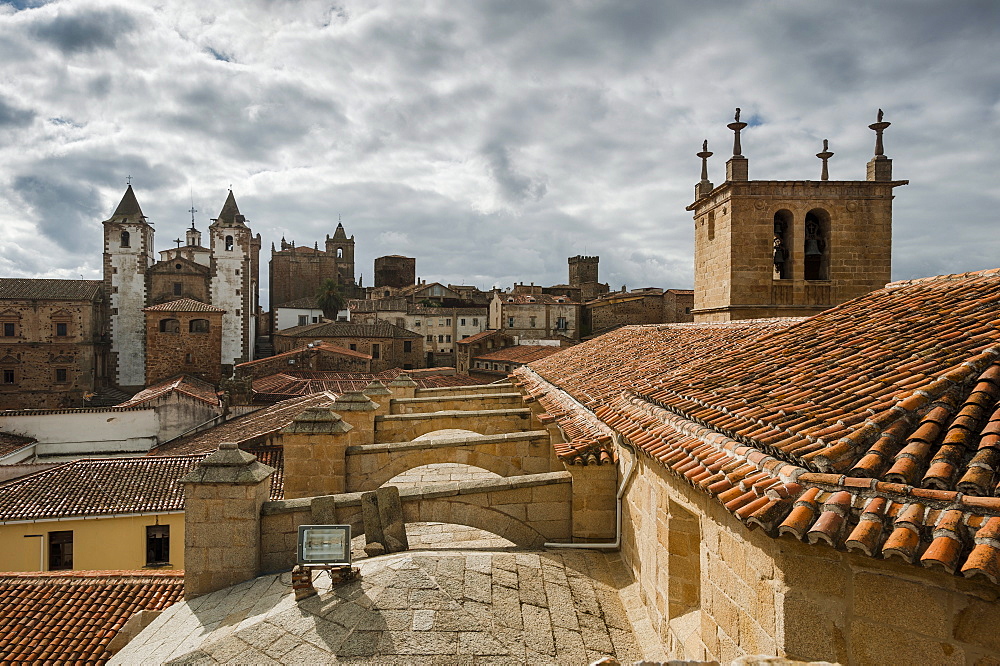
10	443
322	346
347	329
183	305
70	617
520	353
247	430
59	290
872	426
476	337
190	386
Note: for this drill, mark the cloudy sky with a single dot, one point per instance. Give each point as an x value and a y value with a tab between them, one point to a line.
489	139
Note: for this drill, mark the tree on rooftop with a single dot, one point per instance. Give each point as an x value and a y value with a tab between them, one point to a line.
329	298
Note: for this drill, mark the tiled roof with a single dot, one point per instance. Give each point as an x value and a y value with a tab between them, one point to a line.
183	305
595	372
113	486
520	353
346	329
285	385
871	426
246	430
304	303
10	443
534	299
322	346
70	617
55	290
476	337
191	386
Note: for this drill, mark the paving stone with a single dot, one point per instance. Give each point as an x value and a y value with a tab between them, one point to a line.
225	651
423	620
479	643
326	635
280	647
561	607
360	644
418	642
595	634
537	629
253	656
584	597
305	653
569	646
477	586
530	587
507	607
434	599
505	577
261	635
626	648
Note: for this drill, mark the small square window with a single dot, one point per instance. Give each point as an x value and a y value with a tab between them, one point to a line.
60	550
475	321
462	322
62	329
157	544
61	375
353	347
8	329
8	376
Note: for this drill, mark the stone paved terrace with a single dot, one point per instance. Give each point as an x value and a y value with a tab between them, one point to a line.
443	607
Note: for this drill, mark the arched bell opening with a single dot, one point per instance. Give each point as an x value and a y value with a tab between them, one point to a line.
782	245
817	245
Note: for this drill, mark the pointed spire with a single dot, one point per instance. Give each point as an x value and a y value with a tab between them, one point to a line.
129	205
339	234
230	215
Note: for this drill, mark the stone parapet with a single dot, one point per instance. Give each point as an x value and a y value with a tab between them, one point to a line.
404	427
461	401
314	445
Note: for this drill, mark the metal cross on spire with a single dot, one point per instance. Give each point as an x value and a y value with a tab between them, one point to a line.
128	180
178	241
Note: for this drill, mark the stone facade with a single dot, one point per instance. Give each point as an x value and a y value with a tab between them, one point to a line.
788	248
716	590
388	345
476	345
640	306
53	342
583	276
178	278
183	336
535	317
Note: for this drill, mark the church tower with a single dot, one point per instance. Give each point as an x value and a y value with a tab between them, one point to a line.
234	266
342	249
767	248
128	253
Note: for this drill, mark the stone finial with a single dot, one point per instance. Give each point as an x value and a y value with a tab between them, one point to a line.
403	381
705	185
825	156
229	464
879	126
354	401
737	126
317	420
376	388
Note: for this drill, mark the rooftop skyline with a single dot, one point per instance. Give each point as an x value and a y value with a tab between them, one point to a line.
490	140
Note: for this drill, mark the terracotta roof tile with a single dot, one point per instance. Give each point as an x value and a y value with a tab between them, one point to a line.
183	305
520	353
9	443
346	329
62	290
65	617
190	386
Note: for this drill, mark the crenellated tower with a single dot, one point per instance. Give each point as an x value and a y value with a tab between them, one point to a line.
128	253
767	248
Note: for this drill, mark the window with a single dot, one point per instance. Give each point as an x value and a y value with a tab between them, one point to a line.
316	320
817	250
189	358
447	322
178	267
170	326
8	329
407	345
376	350
447	338
430	338
157	544
440	338
8	376
61	329
303	320
353	347
407	366
440	322
464	337
60	550
198	326
61	375
461	322
510	322
229	242
782	244
531	321
177	288
561	324
340	253
125	239
416	324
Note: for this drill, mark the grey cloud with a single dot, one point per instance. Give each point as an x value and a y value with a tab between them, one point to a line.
14	116
514	187
79	30
64	210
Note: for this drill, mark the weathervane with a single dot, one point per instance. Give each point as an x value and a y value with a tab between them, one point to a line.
736	127
825	155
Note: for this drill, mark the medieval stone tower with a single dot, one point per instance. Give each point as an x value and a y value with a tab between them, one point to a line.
128	254
234	268
766	248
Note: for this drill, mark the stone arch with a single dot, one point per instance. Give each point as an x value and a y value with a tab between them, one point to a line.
405	461
817	229
783	242
455	511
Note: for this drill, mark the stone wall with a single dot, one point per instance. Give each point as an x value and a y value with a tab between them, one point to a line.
392	352
407	427
35	352
717	591
171	353
466	400
162	277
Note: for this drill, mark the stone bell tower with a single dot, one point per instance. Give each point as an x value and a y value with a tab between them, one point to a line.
769	248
